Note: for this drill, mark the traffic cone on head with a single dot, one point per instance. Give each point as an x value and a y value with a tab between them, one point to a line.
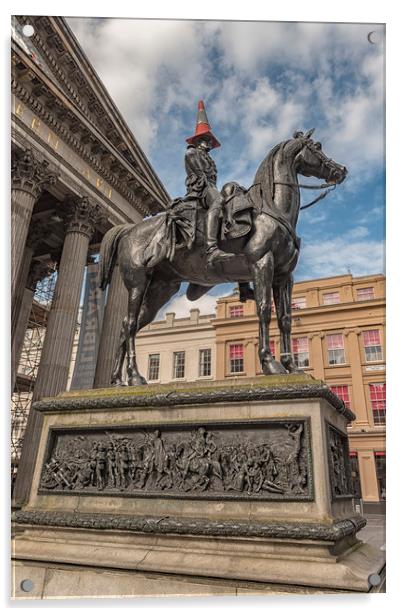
203	128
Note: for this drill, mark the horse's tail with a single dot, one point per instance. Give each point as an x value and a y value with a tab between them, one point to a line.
107	253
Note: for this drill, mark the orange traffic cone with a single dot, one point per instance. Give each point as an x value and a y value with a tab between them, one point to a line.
203	127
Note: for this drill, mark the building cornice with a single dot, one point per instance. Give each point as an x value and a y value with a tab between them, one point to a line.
50	118
97	128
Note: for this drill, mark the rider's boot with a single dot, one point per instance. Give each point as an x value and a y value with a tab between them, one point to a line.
245	292
213	252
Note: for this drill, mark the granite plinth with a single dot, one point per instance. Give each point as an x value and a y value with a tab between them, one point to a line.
296	527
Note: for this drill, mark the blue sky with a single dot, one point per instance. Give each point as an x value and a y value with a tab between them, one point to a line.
260	81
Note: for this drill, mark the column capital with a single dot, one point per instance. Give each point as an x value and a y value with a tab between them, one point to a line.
352	330
82	214
320	335
31	174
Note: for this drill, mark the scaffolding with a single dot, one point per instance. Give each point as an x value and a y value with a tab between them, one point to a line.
28	365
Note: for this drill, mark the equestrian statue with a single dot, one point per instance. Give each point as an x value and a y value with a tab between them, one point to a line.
210	237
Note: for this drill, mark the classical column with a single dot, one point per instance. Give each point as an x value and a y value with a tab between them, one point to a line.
115	311
82	215
316	359
29	176
358	402
250	357
37	272
26	278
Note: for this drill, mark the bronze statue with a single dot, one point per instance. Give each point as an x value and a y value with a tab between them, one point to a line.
158	254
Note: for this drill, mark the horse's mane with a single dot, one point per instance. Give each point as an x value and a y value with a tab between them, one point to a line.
265	173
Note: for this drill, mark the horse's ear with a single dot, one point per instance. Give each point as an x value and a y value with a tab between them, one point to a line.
309	133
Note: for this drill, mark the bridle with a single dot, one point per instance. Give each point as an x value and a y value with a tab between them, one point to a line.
329	186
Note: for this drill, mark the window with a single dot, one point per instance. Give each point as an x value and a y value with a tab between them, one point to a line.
380	465
235	311
377	392
372	345
342	392
298	303
236	358
205	362
331	298
153	367
179	365
300	351
335	349
365	294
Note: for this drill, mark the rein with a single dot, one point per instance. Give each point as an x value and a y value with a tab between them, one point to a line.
329	186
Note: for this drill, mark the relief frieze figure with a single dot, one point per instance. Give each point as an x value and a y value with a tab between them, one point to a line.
339	464
269	460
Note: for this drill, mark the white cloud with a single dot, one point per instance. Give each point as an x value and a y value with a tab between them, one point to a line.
155	69
330	257
141	61
181	306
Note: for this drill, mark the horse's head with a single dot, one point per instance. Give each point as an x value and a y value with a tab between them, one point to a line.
311	160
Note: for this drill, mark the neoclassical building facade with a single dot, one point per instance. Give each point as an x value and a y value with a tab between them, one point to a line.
76	171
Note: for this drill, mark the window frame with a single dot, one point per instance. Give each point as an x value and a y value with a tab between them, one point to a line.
209	361
149	366
365	357
296	354
329	363
377	413
234	308
329	293
365	299
231	344
174	365
294	303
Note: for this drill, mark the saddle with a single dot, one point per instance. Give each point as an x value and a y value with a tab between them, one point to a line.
190	219
237	211
184	223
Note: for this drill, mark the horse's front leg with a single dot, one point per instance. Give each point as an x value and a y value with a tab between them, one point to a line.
282	298
263	277
136	295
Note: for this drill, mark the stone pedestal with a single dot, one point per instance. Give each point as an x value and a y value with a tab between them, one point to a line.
245	482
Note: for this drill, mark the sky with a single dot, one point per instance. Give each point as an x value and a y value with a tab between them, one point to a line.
260	82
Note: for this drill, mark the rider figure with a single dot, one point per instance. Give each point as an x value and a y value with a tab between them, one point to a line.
201	183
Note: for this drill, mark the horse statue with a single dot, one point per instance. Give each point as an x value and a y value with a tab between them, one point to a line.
153	271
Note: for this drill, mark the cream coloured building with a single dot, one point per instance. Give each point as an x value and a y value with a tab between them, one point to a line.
178	349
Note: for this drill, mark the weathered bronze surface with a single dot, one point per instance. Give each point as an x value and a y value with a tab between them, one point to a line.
265	388
158	254
193	526
339	464
265	460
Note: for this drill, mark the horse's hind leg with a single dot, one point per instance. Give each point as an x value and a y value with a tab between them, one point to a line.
158	292
116	378
282	298
136	295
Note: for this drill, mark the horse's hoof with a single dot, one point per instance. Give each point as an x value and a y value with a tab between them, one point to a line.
273	367
290	366
133	381
118	383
